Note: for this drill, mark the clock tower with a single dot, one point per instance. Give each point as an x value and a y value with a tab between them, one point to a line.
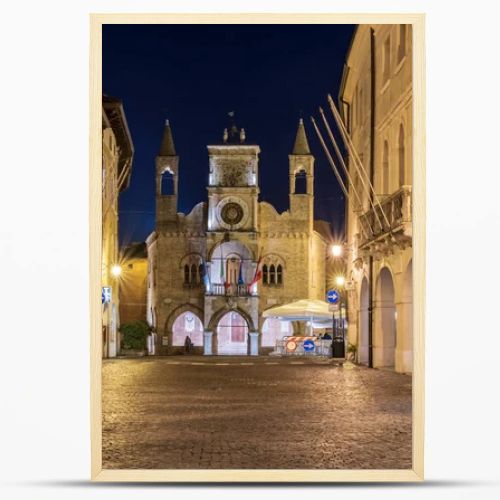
233	186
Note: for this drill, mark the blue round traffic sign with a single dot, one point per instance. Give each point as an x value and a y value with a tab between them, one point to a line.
309	345
332	296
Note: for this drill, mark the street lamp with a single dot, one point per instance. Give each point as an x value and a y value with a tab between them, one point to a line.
340	281
116	270
337	250
338	341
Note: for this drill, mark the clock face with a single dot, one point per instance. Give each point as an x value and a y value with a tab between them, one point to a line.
232	213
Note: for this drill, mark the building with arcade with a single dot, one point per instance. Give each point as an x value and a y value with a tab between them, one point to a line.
376	101
214	271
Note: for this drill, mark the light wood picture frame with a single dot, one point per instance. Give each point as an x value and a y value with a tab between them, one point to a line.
95	224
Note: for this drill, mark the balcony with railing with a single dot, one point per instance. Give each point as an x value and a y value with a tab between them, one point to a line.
231	290
389	222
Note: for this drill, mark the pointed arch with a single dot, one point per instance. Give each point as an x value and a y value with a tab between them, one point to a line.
272	274
169	323
187	324
265	275
214	320
232	334
279	275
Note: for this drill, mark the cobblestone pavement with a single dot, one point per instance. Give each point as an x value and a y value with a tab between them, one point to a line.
257	413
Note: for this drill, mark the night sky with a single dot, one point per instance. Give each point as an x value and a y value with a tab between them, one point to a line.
269	75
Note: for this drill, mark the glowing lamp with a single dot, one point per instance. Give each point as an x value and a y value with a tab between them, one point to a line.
337	250
340	280
116	270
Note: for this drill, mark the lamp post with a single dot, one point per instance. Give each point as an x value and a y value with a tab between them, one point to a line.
337	252
340	282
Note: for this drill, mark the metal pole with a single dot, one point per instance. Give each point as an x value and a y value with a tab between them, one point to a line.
372	178
333	329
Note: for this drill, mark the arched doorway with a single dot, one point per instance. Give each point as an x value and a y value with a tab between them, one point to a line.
363	344
186	324
273	330
407	320
384	343
232	334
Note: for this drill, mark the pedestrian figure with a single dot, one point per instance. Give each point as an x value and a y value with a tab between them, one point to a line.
188	344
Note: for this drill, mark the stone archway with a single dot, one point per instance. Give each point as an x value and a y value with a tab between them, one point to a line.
172	318
384	335
187	324
363	344
232	334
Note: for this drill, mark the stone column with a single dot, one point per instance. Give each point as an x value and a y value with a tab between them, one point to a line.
254	343
384	334
207	342
404	332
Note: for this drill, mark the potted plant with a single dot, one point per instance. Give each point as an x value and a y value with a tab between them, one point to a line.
134	338
351	352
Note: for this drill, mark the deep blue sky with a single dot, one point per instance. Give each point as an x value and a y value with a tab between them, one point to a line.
194	75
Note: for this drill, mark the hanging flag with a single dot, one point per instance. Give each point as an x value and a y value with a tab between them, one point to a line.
257	276
240	275
205	276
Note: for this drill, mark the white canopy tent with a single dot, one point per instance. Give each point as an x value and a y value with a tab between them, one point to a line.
317	312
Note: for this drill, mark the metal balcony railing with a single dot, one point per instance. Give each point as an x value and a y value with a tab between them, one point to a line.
397	210
232	290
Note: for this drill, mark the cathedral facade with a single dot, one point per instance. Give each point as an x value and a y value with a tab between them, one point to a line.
212	272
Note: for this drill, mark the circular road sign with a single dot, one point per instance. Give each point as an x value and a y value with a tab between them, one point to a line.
291	345
309	345
332	296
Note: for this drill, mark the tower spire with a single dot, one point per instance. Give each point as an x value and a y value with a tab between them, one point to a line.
301	146
167	147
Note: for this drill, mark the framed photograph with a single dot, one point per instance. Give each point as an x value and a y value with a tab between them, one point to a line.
257	239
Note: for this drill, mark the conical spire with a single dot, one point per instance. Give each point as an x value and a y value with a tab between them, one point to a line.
301	146
167	147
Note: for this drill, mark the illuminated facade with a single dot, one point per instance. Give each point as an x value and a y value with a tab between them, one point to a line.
376	104
133	283
117	155
203	266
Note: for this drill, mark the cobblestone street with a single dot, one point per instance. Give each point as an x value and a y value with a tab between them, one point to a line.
259	413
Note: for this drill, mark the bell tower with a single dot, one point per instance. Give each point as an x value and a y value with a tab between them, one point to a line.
167	179
301	173
233	184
